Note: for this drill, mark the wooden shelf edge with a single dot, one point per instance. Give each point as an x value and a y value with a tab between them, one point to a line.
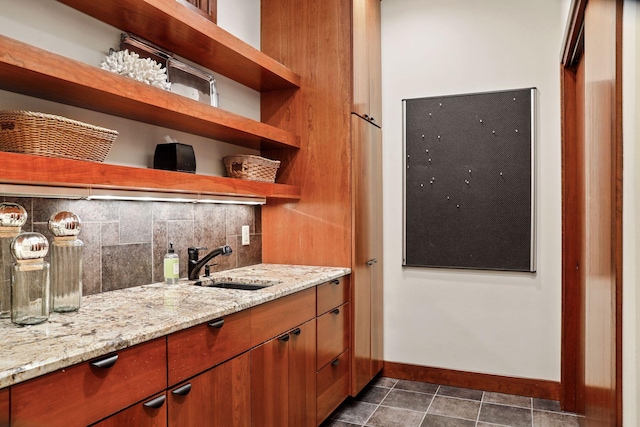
183	32
28	169
36	72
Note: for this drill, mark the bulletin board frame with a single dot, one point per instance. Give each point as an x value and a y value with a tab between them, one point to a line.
470	200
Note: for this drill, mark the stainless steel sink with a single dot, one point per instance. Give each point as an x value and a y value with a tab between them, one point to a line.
252	285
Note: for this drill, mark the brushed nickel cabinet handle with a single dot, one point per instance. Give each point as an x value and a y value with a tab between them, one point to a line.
182	391
217	323
105	363
156	403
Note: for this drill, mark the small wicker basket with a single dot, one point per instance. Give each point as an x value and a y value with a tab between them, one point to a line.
48	135
254	168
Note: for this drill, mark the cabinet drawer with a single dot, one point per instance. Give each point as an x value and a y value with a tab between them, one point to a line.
276	317
85	393
150	413
333	335
332	294
332	386
197	349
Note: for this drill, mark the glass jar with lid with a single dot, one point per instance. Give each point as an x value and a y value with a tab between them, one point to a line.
66	262
12	218
29	279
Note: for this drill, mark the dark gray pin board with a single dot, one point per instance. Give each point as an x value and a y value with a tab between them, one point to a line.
483	219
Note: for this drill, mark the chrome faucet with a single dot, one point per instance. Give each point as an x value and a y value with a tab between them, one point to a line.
195	265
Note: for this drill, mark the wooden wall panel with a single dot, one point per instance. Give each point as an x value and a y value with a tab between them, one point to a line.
313	39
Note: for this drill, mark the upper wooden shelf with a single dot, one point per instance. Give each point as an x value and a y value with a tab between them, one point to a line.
186	33
54	172
32	71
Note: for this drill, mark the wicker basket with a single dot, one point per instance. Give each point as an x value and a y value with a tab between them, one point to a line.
53	136
254	168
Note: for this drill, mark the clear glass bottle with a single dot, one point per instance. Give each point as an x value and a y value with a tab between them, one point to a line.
171	266
66	262
12	218
29	279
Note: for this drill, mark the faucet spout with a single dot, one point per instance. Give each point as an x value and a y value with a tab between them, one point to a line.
196	265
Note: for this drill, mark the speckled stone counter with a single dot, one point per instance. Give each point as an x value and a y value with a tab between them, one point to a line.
118	319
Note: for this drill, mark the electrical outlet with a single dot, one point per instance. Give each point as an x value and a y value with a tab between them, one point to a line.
245	235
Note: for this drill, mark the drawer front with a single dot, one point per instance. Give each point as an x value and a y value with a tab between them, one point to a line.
332	294
84	394
197	349
332	386
333	335
150	413
277	317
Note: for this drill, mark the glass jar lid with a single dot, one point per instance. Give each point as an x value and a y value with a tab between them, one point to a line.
64	223
29	246
12	215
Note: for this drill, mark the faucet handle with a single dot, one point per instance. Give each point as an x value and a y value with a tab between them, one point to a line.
194	252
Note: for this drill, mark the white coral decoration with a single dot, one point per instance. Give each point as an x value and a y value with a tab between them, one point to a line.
130	64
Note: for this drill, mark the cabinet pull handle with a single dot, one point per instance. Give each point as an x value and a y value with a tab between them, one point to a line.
105	363
217	323
296	331
182	391
155	403
372	261
336	362
336	311
284	338
371	119
336	281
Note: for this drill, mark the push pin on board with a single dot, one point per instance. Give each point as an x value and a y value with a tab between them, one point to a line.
493	132
422	136
438	136
458	206
514	99
440	104
429	160
430	114
516	130
481	121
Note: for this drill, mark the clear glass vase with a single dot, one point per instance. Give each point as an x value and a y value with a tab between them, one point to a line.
6	261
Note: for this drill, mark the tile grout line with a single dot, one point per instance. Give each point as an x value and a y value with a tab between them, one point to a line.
429	407
378	405
479	409
531	412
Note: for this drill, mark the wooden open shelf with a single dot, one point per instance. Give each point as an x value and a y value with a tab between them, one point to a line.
32	71
54	172
186	33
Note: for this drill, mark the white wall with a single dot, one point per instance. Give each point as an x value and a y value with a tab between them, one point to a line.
53	26
630	213
489	322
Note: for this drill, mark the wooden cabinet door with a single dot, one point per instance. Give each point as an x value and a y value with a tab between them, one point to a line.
302	375
270	383
366	56
4	407
151	413
217	397
283	379
367	268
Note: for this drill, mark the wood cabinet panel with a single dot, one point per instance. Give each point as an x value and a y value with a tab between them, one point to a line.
52	400
4	407
219	396
332	386
199	348
332	294
333	335
302	376
176	28
275	317
270	383
140	415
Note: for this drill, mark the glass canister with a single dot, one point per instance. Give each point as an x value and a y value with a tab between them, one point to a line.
29	279
66	262
12	218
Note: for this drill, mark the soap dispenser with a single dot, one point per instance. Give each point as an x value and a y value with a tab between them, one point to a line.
12	218
171	266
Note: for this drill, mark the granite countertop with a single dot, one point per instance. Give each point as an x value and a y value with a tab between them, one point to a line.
115	320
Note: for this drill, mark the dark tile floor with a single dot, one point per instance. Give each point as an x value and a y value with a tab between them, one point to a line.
389	402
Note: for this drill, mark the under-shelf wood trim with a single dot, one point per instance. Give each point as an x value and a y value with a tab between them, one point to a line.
54	172
36	72
184	32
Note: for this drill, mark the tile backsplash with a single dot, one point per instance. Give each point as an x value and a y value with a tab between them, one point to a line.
125	242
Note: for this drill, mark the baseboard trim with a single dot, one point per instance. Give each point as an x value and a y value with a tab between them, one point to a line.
542	389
